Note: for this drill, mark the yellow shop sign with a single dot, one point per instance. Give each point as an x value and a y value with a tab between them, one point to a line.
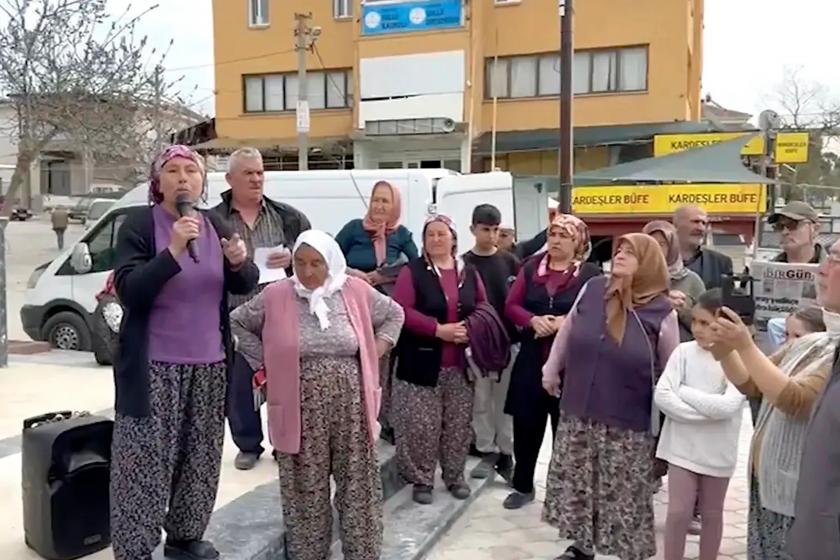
664	199
791	147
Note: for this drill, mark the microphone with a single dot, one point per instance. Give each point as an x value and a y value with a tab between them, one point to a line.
185	207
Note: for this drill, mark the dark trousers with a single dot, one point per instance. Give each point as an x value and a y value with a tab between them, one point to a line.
528	432
59	237
245	422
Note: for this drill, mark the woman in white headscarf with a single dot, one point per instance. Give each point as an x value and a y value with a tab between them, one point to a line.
319	335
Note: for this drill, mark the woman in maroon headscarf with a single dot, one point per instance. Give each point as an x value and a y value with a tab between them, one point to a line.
433	397
172	275
539	299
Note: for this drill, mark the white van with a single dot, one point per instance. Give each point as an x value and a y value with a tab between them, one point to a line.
61	295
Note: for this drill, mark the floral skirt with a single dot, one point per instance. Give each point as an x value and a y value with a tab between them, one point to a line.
766	530
599	491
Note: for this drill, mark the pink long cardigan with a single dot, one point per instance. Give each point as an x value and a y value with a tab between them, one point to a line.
281	351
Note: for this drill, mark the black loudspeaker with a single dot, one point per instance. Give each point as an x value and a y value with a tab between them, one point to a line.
66	461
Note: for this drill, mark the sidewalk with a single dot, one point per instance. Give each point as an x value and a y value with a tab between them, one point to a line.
489	532
35	385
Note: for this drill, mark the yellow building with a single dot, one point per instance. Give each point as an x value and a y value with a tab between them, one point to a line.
424	83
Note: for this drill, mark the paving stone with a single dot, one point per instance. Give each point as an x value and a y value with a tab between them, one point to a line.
524	531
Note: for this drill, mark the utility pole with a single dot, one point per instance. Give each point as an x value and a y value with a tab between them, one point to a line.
567	55
768	122
304	40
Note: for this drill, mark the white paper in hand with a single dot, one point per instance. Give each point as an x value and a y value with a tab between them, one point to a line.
261	259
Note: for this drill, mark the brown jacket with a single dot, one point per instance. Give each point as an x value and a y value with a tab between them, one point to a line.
60	219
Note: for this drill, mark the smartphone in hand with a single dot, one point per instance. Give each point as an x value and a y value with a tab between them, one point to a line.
738	296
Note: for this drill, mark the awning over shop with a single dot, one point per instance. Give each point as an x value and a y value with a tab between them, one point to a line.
719	163
549	139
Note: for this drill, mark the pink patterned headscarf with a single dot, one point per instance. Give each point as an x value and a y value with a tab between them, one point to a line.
167	155
575	229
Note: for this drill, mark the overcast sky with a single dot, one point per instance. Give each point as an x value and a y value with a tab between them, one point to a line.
748	46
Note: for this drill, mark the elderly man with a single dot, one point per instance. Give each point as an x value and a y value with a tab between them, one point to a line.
815	534
692	225
798	224
261	223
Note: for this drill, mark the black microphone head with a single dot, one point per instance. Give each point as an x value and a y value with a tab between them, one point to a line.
184	204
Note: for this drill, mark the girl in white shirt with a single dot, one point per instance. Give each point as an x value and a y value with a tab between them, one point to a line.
699	439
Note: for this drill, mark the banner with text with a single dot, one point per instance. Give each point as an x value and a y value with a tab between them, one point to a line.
417	15
781	288
664	199
791	147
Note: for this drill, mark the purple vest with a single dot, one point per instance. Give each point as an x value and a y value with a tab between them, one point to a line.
605	382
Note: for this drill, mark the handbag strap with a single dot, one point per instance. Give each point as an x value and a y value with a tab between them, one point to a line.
654	420
650	349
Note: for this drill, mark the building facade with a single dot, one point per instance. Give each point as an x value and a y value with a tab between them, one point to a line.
66	167
446	83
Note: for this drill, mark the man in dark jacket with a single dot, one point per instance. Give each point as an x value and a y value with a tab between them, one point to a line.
815	534
261	223
692	225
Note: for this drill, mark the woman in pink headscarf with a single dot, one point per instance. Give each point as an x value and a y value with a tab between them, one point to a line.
378	240
375	249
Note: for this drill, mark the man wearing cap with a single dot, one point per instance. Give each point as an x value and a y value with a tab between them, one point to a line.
798	224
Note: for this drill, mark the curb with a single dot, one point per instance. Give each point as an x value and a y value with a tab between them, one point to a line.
251	526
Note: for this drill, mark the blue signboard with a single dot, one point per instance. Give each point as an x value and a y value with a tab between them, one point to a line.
413	15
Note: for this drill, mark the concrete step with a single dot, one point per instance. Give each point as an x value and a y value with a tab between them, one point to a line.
251	526
411	530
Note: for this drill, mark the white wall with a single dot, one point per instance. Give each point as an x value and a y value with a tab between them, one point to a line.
8	144
428	85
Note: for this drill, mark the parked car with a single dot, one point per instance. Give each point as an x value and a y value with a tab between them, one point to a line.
60	301
78	213
20	214
97	209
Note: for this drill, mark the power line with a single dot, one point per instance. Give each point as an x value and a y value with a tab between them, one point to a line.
234	61
337	89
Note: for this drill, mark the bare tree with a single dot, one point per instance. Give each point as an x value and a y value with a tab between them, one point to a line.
805	104
79	78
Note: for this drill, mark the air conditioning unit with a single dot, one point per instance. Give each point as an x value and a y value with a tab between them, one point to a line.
408	127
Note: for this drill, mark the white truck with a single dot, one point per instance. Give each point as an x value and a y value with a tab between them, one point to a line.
60	297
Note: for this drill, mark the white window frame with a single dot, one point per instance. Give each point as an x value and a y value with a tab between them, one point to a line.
343	9
582	74
257	19
329	80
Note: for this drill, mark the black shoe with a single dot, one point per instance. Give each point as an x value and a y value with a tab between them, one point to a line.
459	490
474	452
422	494
484	468
572	553
516	500
190	550
504	466
245	461
388	435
